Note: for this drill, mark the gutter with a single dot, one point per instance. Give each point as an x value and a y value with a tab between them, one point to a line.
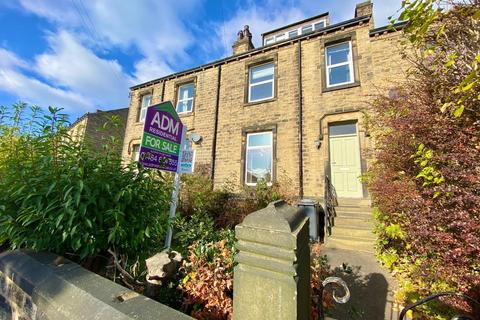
300	121
388	28
215	125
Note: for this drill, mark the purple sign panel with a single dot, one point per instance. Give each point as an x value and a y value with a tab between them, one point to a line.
162	138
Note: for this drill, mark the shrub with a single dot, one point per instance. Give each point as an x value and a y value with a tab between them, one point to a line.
56	194
208	285
425	181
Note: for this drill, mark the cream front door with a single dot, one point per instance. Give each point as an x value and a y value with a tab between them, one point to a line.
345	160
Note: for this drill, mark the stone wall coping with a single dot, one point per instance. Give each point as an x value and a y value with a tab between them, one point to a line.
277	216
62	290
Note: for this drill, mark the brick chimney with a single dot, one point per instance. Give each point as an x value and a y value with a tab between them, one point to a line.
364	9
243	42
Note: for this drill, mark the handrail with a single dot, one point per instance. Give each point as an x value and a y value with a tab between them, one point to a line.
436	296
330	202
337	283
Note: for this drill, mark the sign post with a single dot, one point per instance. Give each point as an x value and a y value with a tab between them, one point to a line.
163	140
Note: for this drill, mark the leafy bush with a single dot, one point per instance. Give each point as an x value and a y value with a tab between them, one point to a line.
56	194
425	181
208	285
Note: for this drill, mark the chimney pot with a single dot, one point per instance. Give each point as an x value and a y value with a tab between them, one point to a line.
243	42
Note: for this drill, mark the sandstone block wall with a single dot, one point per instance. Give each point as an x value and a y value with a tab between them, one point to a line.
378	67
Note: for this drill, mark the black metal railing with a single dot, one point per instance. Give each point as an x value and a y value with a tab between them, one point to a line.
330	202
437	296
342	297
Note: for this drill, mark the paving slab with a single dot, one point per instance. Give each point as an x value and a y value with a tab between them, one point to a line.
371	286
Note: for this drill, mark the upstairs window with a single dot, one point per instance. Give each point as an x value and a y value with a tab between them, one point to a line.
259	158
146	102
293	34
269	41
319	25
261	82
186	93
339	64
307	29
280	37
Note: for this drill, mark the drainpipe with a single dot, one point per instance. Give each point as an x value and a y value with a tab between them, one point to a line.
163	91
215	125
300	121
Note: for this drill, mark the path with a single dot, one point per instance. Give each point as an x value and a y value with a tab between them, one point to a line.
350	253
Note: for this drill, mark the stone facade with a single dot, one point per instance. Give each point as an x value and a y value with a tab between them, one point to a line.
89	127
220	101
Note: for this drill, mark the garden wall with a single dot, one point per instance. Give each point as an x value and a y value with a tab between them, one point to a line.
41	286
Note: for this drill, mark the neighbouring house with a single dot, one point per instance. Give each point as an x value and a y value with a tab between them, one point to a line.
292	108
91	127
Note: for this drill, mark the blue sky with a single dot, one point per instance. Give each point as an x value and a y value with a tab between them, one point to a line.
83	55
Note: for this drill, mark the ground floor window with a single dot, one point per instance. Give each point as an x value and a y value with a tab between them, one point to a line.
259	158
136	152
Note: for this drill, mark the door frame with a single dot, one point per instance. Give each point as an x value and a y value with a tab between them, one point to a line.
364	143
356	135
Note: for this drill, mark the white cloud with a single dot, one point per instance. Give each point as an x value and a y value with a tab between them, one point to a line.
9	59
155	28
94	86
260	19
73	74
36	92
147	69
71	65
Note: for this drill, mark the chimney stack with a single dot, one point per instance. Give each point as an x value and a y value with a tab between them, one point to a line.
364	9
243	42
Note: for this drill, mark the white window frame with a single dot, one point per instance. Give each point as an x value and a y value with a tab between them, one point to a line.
135	157
143	107
250	85
273	38
288	34
349	63
247	148
306	26
185	99
324	24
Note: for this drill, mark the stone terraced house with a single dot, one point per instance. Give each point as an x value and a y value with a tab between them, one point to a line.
289	110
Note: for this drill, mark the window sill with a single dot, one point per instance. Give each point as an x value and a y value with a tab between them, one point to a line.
186	114
247	104
342	86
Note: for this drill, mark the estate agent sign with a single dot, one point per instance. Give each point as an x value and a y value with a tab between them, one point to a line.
162	138
163	141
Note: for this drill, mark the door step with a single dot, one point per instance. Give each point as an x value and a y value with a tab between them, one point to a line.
350	243
361	202
354	232
353	220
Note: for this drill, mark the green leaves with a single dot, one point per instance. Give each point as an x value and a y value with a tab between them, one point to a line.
57	194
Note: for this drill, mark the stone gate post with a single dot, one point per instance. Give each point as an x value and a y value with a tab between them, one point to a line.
272	278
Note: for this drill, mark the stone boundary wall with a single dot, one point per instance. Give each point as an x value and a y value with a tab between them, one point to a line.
41	286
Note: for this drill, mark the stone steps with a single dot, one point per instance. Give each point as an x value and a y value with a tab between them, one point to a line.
354	202
353	226
362	233
349	243
354	209
356	221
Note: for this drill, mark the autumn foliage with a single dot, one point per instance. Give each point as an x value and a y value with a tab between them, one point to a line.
426	178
